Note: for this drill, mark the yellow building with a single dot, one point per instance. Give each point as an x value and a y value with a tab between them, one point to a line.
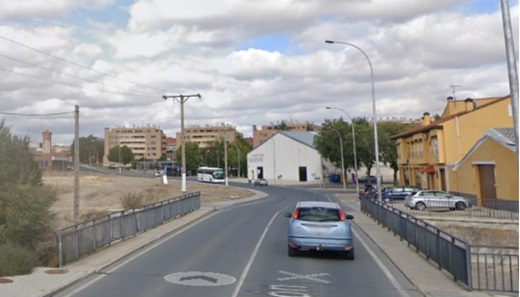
489	171
427	154
146	143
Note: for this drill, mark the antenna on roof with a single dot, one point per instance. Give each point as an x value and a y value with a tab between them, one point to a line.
453	90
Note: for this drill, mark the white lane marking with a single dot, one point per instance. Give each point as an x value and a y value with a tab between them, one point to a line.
379	263
303	276
101	276
382	266
253	255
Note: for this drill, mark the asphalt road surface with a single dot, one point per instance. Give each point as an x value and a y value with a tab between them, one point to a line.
242	251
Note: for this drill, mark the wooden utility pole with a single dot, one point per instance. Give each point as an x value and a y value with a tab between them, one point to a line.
76	165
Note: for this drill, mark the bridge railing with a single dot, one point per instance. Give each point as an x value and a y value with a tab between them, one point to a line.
86	237
493	268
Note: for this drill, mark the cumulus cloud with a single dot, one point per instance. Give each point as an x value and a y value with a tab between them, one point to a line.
118	67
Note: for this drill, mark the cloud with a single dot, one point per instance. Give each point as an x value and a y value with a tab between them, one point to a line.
225	51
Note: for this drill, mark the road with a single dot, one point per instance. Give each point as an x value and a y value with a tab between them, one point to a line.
242	251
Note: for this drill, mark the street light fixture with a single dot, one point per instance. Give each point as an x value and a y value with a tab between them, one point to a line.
353	145
342	161
374	114
182	99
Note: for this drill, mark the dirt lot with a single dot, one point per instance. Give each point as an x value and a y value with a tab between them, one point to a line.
101	193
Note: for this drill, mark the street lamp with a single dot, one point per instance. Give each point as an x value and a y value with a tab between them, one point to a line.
353	145
374	114
342	161
182	99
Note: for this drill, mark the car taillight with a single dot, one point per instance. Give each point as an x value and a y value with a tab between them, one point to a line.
295	214
341	215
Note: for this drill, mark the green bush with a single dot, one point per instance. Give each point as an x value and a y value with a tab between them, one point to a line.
15	260
131	200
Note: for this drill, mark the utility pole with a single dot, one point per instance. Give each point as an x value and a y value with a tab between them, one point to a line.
511	65
225	158
182	99
76	165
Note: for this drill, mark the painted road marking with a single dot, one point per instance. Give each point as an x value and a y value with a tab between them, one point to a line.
312	277
288	291
200	279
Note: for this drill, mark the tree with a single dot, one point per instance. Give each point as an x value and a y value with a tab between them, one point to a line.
237	154
25	203
388	149
213	154
193	156
91	149
126	156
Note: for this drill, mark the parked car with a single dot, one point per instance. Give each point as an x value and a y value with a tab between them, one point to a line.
319	226
435	199
367	180
399	193
371	190
261	182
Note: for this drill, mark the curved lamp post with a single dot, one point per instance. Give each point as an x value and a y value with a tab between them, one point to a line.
342	161
353	146
374	115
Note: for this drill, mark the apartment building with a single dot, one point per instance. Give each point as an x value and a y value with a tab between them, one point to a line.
262	135
146	142
430	154
204	135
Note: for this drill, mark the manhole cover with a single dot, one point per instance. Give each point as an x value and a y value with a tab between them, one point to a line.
5	281
56	271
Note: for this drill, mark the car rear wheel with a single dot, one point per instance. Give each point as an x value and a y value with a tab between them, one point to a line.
349	255
292	252
420	206
460	206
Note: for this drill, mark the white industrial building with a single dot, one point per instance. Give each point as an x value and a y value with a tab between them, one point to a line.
288	156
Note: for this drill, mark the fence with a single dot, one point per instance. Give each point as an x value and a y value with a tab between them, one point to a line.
477	267
86	237
489	208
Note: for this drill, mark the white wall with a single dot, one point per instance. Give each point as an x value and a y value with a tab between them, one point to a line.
282	156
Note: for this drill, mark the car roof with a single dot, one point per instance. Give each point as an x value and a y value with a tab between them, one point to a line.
323	204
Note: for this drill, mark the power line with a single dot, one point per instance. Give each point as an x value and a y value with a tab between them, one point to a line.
36	114
70	85
80	66
69	75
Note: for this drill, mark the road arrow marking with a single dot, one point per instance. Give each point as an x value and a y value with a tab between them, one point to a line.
200	279
197	277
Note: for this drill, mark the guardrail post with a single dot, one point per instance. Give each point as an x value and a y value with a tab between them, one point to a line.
469	267
60	248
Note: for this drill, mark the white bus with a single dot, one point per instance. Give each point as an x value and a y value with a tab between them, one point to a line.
210	174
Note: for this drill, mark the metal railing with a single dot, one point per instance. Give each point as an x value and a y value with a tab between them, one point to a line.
488	208
86	237
477	267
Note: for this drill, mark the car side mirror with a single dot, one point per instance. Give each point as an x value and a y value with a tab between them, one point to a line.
287	214
349	217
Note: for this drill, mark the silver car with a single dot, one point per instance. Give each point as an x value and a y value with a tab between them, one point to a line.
319	226
435	199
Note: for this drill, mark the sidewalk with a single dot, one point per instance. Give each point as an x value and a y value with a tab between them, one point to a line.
45	282
427	278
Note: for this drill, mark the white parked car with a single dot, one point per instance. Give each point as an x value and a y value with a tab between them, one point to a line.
424	199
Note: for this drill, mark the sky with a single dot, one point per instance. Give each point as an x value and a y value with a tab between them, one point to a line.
254	62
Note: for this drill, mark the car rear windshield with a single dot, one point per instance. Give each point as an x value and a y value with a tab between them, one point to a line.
318	214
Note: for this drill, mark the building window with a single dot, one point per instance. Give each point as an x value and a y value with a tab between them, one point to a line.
434	147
